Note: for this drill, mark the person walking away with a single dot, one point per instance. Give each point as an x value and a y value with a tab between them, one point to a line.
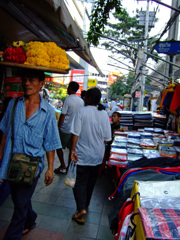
71	104
35	132
90	130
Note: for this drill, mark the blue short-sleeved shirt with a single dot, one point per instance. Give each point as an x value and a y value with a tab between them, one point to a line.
34	136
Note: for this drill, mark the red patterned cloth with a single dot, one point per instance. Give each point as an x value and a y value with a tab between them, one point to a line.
161	224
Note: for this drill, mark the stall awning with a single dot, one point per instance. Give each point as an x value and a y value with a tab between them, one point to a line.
42	20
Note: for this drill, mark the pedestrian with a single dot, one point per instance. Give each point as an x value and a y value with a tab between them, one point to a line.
59	104
83	94
70	106
90	130
35	132
115	108
105	104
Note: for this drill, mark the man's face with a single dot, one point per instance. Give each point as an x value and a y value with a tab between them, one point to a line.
31	85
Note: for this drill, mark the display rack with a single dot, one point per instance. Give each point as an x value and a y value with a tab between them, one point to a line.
25	66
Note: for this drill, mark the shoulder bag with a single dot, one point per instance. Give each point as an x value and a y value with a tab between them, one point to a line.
22	168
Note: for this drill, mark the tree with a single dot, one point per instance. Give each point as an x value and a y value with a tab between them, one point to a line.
127	29
122	85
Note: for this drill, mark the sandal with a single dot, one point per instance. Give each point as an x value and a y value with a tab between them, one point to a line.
78	217
27	230
60	170
79	220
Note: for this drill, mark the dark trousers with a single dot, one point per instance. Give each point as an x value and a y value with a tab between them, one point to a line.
85	182
23	215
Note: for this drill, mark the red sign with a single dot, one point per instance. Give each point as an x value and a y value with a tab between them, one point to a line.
78	76
138	94
112	77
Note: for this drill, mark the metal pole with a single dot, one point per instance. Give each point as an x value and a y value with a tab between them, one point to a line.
145	57
85	82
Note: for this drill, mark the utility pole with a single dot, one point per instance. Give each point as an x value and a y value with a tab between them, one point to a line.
143	80
85	82
173	35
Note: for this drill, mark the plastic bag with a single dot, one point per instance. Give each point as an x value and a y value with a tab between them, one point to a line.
70	179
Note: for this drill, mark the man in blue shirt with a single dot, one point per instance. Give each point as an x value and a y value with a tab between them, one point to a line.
35	132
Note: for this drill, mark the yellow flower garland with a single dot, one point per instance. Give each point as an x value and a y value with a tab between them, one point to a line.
46	54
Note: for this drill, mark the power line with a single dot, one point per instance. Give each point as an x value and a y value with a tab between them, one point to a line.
125	44
121	67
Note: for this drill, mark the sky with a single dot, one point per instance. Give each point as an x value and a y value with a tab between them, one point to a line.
163	15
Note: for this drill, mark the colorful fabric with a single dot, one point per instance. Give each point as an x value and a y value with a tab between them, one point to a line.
175	103
134	171
160	223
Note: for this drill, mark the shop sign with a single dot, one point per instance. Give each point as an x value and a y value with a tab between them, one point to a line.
138	94
78	76
92	83
168	47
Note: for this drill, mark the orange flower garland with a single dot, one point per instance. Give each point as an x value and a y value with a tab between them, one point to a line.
46	54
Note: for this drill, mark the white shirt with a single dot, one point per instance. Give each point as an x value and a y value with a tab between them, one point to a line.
114	109
93	128
71	105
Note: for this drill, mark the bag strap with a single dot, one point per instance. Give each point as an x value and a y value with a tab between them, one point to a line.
12	124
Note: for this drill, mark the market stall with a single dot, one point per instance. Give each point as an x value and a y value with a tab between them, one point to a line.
145	154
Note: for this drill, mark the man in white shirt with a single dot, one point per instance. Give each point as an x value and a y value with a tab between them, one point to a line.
71	105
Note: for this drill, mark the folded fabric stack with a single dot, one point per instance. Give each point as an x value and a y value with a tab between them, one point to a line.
172	135
118	152
151	153
142	119
150	130
146	135
167	151
118	133
134	154
159	121
127	119
148	144
134	150
164	142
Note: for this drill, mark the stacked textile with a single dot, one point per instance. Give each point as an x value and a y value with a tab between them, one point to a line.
127	119
159	121
143	119
149	142
134	151
118	152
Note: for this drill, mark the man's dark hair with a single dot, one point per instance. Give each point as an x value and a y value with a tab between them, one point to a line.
94	96
74	86
117	113
83	94
32	73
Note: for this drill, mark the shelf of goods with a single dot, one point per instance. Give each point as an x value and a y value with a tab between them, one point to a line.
147	143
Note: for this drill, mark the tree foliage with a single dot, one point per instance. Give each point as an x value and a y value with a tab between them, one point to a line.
122	85
99	17
126	29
